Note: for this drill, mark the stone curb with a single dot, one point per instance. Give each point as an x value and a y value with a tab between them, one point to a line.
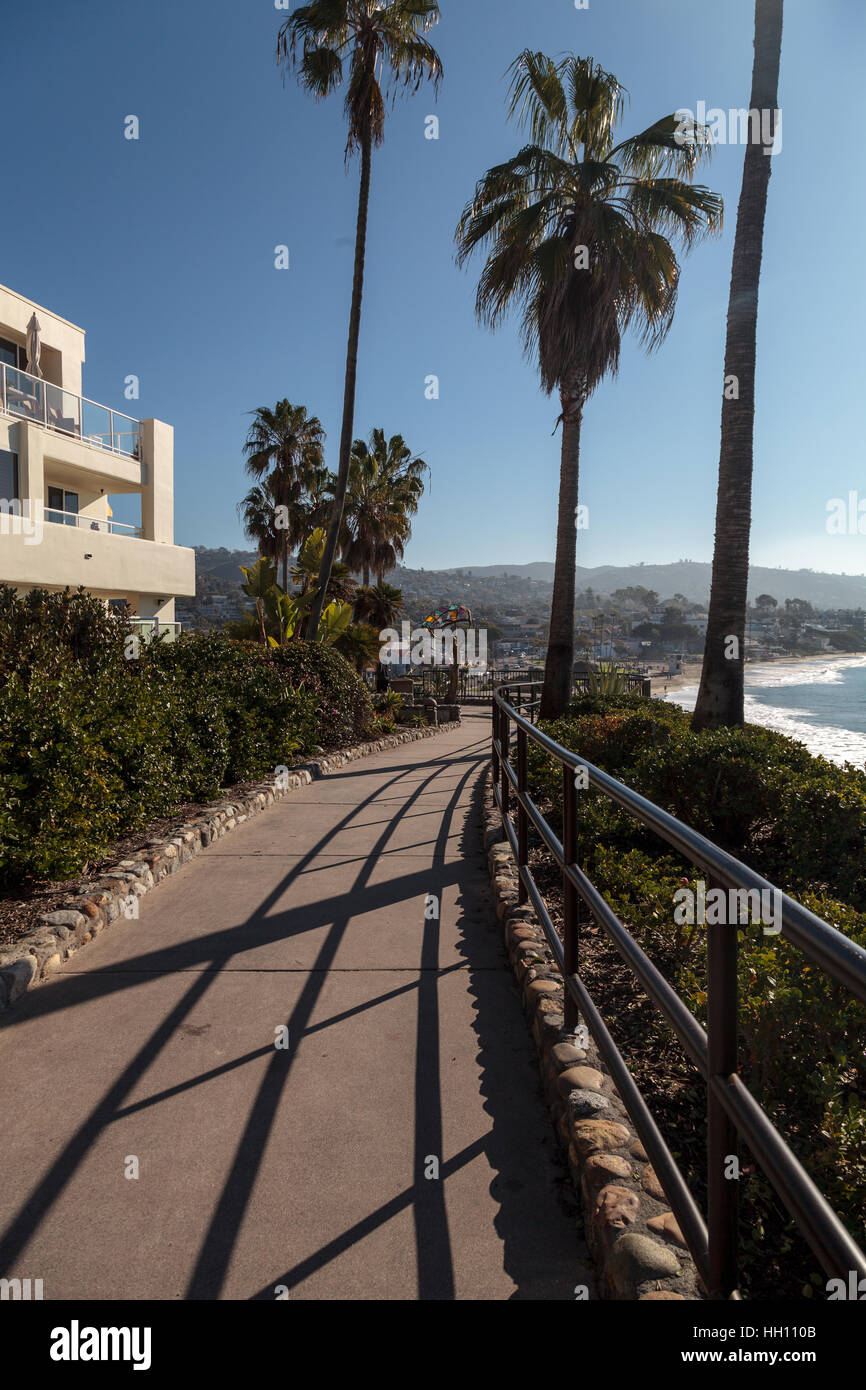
116	892
632	1234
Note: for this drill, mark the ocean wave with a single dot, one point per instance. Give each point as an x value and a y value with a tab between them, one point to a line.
828	741
822	671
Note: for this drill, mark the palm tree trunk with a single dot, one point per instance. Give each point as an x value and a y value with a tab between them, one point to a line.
720	698
285	562
558	668
349	394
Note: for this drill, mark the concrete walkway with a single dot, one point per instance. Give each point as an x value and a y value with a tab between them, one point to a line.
305	1167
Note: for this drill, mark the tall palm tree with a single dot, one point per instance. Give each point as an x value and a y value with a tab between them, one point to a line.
376	38
385	486
284	445
579	234
720	697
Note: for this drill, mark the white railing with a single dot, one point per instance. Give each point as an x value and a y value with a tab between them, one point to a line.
33	398
89	523
150	628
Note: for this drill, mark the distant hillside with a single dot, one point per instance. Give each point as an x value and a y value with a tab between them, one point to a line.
223	564
692	580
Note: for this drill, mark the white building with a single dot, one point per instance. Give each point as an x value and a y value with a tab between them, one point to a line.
62	457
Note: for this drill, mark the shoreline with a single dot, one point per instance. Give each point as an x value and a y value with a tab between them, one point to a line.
691	673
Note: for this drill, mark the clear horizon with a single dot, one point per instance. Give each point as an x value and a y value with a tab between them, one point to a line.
163	250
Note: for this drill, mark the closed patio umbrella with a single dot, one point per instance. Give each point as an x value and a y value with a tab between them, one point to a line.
34	346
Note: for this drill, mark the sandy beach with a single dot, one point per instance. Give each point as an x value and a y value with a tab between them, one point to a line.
691	672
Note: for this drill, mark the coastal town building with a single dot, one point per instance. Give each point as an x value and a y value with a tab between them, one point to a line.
62	458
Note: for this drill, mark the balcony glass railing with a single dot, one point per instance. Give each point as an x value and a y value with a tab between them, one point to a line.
31	398
90	523
149	628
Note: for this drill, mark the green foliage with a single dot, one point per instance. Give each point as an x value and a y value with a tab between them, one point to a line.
605	680
96	741
388	702
798	820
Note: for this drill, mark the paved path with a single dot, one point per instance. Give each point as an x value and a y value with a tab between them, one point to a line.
302	1167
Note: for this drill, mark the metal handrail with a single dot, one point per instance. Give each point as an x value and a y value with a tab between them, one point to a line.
78	431
732	1109
91	523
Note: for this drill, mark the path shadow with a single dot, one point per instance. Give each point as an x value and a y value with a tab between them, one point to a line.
538	1222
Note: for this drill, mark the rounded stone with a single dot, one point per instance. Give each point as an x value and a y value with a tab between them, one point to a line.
650	1183
63	919
658	1295
597	1136
567	1055
634	1259
600	1168
579	1078
528	952
521	933
541	987
667	1226
585	1104
616	1208
18	975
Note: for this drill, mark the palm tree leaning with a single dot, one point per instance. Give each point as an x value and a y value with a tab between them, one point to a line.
386	483
578	234
373	37
284	445
720	697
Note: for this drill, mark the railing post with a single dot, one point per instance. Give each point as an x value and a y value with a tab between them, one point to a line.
570	901
504	739
722	1060
495	737
522	818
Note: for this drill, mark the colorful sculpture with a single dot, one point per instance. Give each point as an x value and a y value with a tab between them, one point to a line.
448	617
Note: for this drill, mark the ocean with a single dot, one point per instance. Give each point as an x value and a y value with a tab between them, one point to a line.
822	703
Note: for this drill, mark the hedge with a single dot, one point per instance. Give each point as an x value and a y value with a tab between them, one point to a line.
98	736
798	820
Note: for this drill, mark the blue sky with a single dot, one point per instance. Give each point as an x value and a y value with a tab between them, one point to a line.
163	250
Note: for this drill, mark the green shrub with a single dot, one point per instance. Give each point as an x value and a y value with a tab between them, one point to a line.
801	822
95	742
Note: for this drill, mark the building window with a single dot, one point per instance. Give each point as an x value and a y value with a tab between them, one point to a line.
60	505
8	476
13	355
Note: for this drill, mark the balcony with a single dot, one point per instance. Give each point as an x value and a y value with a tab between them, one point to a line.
152	629
90	523
41	402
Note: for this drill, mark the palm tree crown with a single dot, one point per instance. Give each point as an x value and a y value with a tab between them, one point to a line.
375	37
572	187
385	486
284	451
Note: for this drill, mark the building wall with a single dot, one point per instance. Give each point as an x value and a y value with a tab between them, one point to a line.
65	341
36	553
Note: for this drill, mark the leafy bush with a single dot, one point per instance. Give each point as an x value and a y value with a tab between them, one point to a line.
95	742
801	822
